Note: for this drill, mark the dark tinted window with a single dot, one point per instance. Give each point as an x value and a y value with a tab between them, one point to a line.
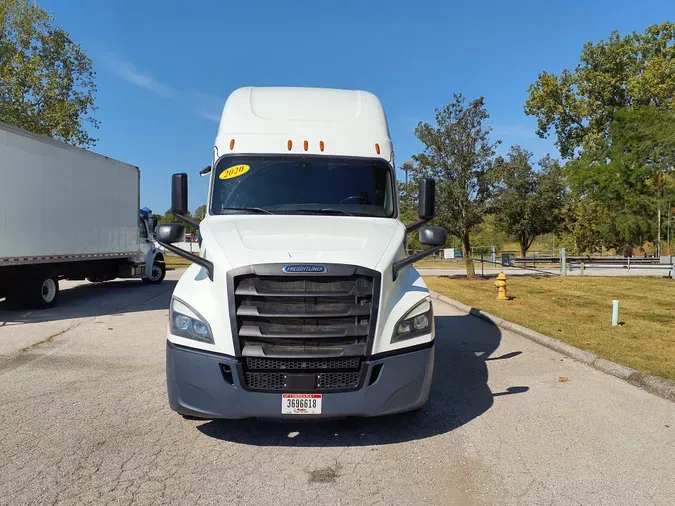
142	229
297	184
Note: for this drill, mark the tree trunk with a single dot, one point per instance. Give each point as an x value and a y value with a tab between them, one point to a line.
470	271
525	244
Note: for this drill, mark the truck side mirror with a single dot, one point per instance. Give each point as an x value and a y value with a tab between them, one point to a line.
427	199
170	233
179	194
433	236
429	236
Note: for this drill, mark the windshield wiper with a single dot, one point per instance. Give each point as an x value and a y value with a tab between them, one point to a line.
323	211
258	210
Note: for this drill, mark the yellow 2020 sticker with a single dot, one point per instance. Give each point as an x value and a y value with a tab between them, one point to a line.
234	171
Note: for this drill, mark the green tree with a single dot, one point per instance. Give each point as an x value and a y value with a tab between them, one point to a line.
489	234
166	218
47	84
408	195
613	115
200	213
458	153
584	227
579	105
527	202
170	218
629	174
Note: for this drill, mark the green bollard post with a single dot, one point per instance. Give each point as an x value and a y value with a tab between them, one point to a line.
615	313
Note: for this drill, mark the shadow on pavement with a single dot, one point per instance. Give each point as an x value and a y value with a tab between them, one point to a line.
459	394
95	299
505	356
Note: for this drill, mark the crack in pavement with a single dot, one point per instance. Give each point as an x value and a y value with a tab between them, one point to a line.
23	357
48	339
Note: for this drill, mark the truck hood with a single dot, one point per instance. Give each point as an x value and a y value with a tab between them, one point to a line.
252	239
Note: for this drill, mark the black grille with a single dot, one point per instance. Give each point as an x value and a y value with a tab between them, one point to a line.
280	381
299	364
337	380
266	380
318	374
305	313
303	332
316	286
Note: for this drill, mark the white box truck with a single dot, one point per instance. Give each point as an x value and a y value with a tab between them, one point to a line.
302	302
68	213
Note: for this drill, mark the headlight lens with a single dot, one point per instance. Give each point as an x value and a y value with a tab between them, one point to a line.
421	322
416	322
181	322
188	323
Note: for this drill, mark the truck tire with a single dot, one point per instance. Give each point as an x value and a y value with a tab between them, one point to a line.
42	291
156	274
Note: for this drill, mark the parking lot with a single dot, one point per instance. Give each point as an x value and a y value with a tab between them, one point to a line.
84	419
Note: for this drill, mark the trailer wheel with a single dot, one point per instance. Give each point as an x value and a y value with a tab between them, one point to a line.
157	274
42	291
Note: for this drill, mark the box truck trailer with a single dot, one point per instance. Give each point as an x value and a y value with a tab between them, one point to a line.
302	302
68	213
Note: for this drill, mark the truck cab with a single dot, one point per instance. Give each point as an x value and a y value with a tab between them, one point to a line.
150	258
302	302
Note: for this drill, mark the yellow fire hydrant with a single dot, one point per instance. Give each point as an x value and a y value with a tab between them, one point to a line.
500	285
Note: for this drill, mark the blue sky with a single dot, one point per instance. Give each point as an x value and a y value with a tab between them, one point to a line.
165	68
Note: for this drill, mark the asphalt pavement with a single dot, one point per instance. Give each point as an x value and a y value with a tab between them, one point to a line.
84	419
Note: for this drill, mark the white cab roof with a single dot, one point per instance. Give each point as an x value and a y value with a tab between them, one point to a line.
264	120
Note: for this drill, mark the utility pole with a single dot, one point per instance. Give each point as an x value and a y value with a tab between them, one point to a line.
668	251
658	245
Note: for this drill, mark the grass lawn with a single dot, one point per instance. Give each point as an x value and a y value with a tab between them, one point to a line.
176	262
578	311
446	264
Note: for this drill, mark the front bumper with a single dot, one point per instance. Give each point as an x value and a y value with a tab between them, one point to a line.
196	386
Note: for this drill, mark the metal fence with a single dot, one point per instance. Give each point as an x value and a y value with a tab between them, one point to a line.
562	264
643	265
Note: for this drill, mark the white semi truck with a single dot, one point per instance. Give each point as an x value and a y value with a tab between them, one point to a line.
68	213
302	302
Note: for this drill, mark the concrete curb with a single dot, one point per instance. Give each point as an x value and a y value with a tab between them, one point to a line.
658	386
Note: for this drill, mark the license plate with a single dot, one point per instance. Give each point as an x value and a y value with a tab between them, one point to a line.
300	404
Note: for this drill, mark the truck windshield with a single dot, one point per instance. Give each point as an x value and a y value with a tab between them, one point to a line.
279	184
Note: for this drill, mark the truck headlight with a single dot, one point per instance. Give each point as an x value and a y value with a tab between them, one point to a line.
416	322
188	323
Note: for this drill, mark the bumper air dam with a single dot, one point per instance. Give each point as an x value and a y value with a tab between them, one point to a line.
198	384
